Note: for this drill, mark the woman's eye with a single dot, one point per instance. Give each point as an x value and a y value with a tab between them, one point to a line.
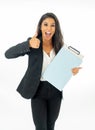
45	24
53	25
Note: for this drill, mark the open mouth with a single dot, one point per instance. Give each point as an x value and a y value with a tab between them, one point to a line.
47	33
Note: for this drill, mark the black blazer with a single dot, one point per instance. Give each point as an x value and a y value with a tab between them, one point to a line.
30	81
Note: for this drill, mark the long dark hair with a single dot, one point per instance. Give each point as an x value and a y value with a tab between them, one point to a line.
57	39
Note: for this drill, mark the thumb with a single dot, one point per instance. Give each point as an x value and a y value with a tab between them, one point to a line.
36	34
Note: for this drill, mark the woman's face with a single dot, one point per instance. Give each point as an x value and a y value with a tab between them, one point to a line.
48	29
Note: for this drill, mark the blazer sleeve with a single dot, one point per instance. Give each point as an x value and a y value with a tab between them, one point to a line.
18	50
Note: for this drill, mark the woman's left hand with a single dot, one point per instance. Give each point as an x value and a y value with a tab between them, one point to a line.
76	70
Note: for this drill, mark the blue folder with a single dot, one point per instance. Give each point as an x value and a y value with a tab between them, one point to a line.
59	71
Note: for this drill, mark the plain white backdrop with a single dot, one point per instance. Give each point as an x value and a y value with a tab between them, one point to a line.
18	21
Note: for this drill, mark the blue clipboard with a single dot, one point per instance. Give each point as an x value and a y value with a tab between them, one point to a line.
59	71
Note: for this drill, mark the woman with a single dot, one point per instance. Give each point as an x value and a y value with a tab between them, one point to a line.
41	49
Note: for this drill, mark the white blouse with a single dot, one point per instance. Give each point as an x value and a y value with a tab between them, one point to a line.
46	61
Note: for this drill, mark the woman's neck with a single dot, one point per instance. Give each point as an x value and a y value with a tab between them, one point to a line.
47	46
47	42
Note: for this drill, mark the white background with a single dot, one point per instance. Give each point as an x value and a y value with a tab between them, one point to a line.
18	21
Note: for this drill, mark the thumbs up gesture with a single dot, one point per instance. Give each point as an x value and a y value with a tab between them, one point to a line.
34	42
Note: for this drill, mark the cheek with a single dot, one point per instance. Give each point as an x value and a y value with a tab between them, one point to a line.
54	31
43	32
42	29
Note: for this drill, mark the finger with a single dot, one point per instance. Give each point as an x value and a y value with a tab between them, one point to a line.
77	68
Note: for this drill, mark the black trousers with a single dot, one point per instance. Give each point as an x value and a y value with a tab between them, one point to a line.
46	106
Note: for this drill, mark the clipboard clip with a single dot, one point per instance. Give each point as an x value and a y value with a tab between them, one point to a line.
74	50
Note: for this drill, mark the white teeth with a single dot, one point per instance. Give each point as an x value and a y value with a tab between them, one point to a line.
48	33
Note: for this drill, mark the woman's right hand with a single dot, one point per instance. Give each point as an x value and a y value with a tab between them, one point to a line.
34	42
